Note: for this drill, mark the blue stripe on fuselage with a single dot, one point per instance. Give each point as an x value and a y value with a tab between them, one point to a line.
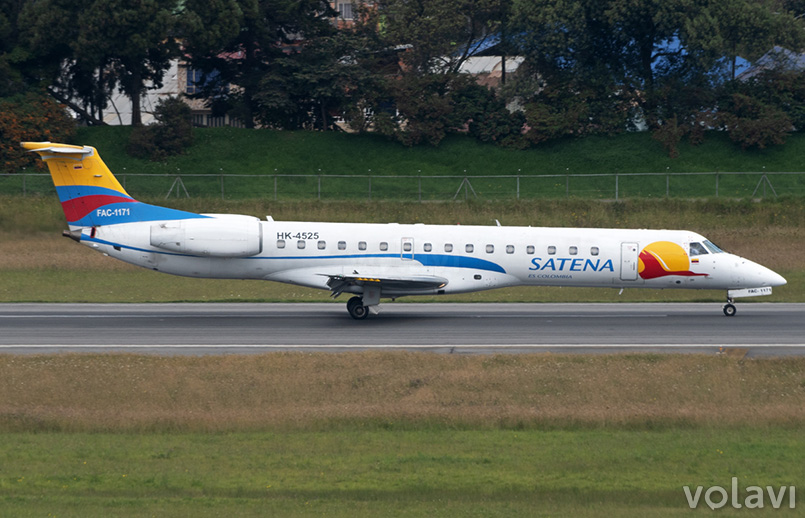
442	260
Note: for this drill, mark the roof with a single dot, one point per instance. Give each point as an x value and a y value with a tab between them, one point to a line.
777	58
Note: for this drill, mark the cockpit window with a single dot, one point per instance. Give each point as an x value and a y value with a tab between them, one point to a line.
713	248
697	249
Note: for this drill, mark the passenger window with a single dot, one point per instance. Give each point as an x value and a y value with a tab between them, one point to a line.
342	245
529	249
280	243
300	244
551	250
594	250
697	249
428	247
490	249
509	249
322	245
469	248
407	246
448	247
362	245
384	246
574	250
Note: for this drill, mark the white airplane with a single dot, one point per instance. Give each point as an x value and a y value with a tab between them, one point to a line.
374	261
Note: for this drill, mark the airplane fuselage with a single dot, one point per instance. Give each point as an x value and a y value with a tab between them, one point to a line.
471	258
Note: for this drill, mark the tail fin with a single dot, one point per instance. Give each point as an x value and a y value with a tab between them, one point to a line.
83	182
89	193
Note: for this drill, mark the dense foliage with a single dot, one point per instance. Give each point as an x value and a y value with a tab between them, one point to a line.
30	117
171	135
589	66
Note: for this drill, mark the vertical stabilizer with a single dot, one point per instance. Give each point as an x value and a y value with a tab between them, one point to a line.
90	194
83	182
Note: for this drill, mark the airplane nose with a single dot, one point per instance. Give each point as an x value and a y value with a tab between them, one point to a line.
758	276
774	278
749	274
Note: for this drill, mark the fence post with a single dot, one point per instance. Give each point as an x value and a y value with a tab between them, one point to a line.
716	185
518	186
667	185
222	187
319	187
567	186
617	177
24	187
419	189
275	187
370	187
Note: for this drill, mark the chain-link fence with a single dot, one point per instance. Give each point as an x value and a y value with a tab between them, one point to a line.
429	188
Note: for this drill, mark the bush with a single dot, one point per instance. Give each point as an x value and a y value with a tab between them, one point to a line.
753	123
30	117
171	135
579	110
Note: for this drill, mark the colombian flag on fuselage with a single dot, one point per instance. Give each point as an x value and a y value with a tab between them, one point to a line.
89	193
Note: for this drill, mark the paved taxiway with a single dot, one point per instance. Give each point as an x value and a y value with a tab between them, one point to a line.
762	329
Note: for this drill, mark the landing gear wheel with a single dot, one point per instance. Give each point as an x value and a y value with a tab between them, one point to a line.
356	308
729	309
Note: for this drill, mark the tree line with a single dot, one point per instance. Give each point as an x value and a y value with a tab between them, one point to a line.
589	66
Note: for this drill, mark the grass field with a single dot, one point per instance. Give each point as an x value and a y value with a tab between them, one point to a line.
238	151
391	434
401	173
429	472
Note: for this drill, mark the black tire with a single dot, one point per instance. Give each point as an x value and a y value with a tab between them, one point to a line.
356	308
729	310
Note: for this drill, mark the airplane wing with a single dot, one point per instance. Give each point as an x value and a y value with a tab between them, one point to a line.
338	283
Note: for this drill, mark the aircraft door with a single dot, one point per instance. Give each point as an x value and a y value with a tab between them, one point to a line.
629	253
407	249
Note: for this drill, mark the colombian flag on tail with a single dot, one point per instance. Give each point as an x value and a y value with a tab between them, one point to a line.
90	194
83	182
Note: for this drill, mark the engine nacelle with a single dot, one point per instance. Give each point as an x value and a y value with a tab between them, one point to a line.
225	236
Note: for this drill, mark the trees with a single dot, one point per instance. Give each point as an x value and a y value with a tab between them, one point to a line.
667	57
107	43
136	39
591	66
306	89
13	53
439	34
247	42
424	96
30	116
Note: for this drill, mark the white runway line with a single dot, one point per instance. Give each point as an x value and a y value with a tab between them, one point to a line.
398	346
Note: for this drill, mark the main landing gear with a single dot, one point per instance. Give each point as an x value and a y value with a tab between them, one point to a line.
356	308
729	308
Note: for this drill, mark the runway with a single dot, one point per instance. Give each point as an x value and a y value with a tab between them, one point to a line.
759	329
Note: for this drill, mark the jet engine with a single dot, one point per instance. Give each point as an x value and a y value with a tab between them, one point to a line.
211	236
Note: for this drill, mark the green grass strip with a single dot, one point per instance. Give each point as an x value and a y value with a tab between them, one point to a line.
432	472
